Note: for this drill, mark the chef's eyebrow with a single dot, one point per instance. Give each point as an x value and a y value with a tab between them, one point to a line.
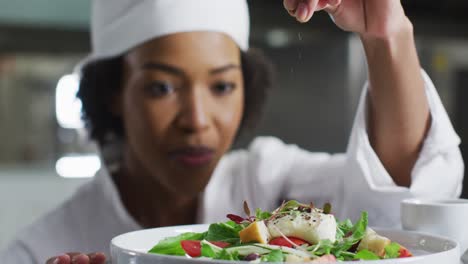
225	68
179	72
163	67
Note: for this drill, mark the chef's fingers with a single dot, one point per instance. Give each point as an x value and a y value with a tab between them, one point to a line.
79	258
291	6
306	9
332	6
97	258
303	10
72	258
62	259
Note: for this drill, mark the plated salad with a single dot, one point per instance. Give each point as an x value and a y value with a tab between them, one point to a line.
294	232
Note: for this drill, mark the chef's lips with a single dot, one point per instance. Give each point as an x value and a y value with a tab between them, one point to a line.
195	156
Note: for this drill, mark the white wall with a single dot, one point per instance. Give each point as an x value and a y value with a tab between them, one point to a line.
28	192
58	13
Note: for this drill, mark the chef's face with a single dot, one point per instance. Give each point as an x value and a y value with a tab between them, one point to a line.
181	105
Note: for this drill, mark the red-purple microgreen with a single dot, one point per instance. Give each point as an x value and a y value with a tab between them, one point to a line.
241	220
237	219
252	257
246	209
277	211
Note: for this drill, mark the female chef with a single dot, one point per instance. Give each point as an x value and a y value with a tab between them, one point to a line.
166	90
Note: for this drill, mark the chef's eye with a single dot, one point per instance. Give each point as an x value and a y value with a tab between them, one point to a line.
159	88
222	88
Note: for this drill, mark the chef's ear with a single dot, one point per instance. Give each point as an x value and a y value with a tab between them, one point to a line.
116	104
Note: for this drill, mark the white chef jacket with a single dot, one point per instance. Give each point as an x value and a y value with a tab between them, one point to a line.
264	174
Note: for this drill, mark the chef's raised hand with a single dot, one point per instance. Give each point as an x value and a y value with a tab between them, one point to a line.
399	117
78	258
374	18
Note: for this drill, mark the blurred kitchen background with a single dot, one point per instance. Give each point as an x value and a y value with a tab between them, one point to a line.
44	151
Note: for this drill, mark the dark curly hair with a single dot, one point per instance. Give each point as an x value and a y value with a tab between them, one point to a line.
101	81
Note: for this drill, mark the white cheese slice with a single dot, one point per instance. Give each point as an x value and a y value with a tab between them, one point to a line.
311	227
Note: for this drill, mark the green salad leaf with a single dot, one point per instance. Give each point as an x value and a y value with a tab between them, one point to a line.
171	245
323	247
346	256
224	255
343	228
207	250
289	205
274	256
356	234
225	232
212	251
366	255
262	215
359	229
392	250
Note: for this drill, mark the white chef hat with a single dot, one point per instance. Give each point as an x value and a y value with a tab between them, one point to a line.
119	25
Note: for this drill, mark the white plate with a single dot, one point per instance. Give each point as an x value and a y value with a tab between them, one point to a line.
131	248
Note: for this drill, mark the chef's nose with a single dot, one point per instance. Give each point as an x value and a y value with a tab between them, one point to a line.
194	115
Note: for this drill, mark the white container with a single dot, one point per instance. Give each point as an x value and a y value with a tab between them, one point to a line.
448	218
